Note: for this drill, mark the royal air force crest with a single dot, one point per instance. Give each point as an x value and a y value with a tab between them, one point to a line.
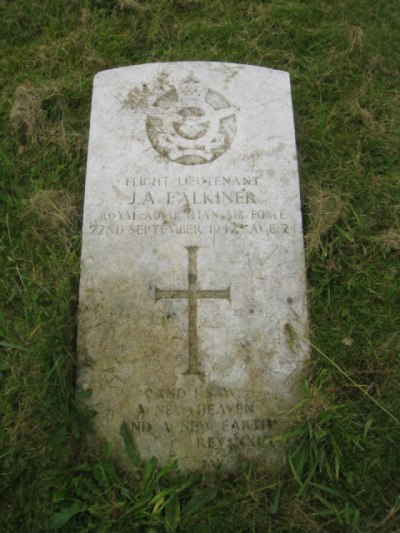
191	124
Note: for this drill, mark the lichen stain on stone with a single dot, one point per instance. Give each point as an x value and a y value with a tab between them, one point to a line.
150	351
141	96
107	315
275	147
162	80
137	98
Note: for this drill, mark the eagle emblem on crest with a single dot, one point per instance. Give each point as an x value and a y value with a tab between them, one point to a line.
191	124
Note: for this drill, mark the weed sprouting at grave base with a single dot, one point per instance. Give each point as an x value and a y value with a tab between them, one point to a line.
152	501
342	457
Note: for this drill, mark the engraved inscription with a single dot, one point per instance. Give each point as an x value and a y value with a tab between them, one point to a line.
210	418
167	206
191	124
193	293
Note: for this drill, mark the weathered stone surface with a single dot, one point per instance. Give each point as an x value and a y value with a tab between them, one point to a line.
192	297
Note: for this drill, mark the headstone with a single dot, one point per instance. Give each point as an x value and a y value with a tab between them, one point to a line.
192	299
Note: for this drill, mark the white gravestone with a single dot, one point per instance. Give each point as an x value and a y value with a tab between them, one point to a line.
192	297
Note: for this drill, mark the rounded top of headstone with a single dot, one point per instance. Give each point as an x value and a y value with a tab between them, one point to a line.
229	68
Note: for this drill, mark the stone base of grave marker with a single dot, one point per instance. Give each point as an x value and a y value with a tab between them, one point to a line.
192	298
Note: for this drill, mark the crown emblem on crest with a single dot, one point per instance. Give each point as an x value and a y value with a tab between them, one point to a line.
191	124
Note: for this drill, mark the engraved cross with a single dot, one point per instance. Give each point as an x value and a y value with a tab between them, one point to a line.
193	293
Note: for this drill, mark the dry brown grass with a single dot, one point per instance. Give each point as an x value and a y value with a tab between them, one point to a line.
317	404
356	35
133	5
324	209
30	120
55	213
390	239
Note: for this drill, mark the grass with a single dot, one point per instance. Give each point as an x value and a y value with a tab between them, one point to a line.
343	455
